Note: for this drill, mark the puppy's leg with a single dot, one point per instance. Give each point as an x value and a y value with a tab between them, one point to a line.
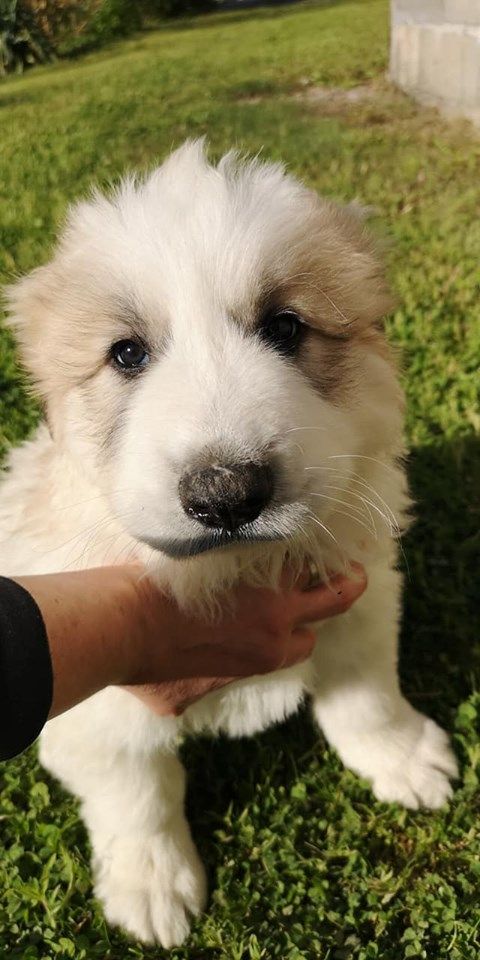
358	704
148	875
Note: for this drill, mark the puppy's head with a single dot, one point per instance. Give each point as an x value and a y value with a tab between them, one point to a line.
207	344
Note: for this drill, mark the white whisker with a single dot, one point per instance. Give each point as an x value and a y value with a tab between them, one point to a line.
327	531
89	533
359	456
367	503
360	481
81	503
331	486
350	516
293	429
343	503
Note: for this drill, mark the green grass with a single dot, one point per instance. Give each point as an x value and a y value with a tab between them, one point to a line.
303	862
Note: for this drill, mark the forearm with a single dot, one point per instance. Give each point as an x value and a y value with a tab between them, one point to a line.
91	622
111	625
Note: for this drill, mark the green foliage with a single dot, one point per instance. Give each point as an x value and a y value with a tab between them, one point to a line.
303	863
22	41
107	20
33	31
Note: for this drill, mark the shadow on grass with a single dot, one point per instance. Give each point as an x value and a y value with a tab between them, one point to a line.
440	647
241	12
440	650
247	4
227	778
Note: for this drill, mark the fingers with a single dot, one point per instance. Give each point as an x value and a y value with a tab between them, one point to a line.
267	633
328	600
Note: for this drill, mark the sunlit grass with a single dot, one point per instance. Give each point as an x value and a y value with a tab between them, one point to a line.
303	863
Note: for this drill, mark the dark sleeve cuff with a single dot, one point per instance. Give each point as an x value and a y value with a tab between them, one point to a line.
26	678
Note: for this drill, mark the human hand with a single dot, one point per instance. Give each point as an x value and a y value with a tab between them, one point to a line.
267	631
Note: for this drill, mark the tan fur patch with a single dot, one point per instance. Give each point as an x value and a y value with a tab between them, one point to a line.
332	273
327	269
329	364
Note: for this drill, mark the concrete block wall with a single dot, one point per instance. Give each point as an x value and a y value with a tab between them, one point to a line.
435	53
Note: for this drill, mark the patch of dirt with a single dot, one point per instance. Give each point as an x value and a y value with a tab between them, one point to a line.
372	101
336	96
333	97
253	98
375	103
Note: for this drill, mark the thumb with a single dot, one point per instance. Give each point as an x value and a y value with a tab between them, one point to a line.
328	600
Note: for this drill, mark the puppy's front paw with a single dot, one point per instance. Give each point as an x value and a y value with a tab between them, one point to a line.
150	886
420	773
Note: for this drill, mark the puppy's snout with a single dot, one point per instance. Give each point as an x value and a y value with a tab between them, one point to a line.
226	496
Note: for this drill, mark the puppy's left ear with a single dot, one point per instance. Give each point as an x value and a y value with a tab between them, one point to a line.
363	212
350	290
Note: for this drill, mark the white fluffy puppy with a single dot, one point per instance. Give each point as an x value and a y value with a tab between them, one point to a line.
218	393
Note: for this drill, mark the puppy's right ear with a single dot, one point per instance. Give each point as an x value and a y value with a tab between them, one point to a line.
31	316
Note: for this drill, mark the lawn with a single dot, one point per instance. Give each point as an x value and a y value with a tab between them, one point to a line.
303	863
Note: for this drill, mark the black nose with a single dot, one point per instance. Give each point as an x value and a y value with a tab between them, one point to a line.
226	496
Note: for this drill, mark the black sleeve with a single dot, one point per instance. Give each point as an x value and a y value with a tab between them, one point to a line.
26	680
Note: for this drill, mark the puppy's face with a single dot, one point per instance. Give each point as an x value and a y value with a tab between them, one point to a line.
206	342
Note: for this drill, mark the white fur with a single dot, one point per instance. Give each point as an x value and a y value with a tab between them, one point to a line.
187	249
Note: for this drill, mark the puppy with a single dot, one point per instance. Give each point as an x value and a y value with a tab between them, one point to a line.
219	393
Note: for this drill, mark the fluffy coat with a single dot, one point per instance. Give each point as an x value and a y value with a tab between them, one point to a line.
187	260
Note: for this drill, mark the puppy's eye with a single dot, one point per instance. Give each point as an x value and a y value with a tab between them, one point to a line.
283	331
129	355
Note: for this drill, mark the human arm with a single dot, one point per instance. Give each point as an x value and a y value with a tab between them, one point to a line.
112	626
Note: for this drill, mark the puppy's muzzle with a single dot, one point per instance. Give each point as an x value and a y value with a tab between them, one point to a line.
226	496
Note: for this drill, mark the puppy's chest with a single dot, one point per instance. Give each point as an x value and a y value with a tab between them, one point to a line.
249	706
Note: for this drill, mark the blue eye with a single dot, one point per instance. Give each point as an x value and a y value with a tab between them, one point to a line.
129	356
284	331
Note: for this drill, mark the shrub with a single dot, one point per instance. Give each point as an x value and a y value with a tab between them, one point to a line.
32	31
99	22
23	42
56	17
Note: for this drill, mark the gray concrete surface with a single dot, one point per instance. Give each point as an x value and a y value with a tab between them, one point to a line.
435	53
